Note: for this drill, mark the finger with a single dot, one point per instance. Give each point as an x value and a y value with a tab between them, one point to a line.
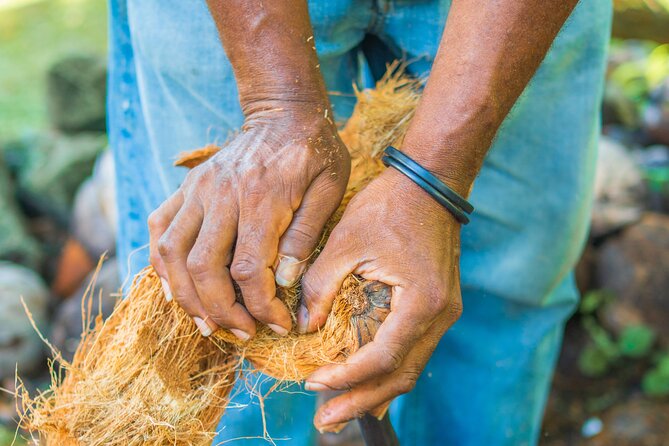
207	265
255	252
304	233
323	280
354	404
375	396
380	411
405	325
158	222
173	248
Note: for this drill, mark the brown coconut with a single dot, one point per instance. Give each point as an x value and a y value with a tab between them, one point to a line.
146	376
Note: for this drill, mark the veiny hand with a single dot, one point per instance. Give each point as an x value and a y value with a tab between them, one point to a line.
392	232
258	204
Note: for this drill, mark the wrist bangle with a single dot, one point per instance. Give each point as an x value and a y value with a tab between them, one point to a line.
443	194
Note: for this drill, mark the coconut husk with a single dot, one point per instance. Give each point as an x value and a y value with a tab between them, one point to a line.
146	376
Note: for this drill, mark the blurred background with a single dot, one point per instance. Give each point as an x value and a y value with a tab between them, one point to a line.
57	218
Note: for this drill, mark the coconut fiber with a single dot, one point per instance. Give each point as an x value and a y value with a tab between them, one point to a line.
145	376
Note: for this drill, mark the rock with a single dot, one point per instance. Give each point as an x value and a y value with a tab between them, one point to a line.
16	245
93	228
56	168
636	422
94	213
634	267
67	324
619	191
19	343
104	176
76	91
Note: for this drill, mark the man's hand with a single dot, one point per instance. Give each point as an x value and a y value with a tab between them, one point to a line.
395	233
391	232
263	199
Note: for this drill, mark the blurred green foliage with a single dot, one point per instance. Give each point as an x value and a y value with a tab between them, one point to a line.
656	381
33	35
7	438
603	351
636	342
637	68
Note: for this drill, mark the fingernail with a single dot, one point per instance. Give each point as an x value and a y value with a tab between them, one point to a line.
202	325
289	271
166	289
244	336
332	428
278	329
380	411
316	387
302	319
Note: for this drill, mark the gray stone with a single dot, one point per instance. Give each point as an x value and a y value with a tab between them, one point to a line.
619	190
16	244
634	266
57	167
94	212
76	91
20	345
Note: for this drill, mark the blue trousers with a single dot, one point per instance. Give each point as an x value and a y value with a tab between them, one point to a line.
171	89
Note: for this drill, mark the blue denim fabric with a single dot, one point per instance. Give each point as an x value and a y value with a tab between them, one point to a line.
172	89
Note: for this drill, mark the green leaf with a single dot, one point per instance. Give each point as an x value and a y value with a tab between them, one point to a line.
655	383
663	364
657	68
593	361
592	301
601	338
636	341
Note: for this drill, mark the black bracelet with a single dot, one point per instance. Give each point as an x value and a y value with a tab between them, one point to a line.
449	193
430	184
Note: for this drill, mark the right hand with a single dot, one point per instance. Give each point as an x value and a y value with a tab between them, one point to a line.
259	203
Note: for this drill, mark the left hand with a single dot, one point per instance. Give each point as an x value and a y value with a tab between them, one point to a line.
392	232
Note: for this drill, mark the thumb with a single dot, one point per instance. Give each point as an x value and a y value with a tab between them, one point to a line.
301	238
322	282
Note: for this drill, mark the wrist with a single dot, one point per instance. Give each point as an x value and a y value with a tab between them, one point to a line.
304	113
446	163
450	137
294	105
403	190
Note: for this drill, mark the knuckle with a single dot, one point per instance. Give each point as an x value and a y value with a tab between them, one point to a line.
456	309
184	301
198	265
245	268
407	382
437	304
310	286
154	258
166	248
390	361
155	221
302	233
258	308
437	300
218	314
